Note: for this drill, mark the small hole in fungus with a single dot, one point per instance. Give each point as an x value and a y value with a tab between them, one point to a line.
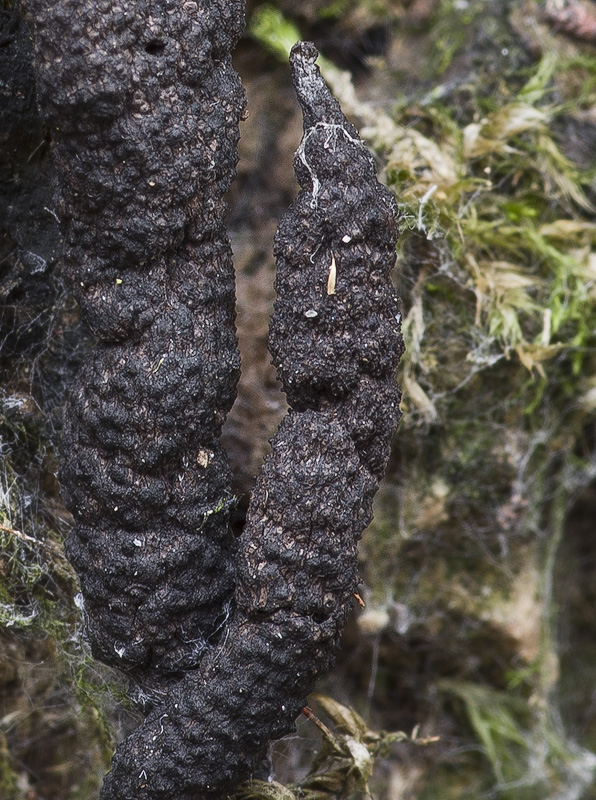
155	47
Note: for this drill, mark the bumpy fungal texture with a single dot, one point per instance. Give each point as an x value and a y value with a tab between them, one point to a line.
143	106
296	563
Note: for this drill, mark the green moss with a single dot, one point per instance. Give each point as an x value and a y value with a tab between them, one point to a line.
451	32
37	614
500	721
335	9
269	27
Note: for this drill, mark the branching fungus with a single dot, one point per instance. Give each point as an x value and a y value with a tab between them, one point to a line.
228	642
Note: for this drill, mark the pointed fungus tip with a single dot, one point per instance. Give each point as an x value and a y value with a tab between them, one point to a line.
303	51
316	101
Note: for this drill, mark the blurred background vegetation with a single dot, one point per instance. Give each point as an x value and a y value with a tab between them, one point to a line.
476	649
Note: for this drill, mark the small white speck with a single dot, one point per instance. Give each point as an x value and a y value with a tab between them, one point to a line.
137	542
332	279
347	239
311	313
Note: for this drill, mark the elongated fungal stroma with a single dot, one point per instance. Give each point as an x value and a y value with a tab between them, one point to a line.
222	639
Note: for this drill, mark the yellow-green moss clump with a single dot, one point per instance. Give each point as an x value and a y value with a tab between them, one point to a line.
53	729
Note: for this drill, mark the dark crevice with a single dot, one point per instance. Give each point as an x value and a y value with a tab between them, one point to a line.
155	47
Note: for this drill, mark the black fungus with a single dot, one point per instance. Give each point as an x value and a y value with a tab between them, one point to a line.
143	106
296	565
224	641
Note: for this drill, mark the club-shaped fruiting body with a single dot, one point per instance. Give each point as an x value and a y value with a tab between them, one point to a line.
226	639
